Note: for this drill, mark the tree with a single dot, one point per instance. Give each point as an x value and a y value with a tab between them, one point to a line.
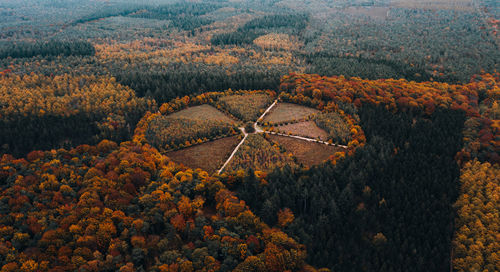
249	127
285	217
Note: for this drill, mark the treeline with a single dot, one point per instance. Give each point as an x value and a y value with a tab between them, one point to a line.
327	64
297	22
177	79
387	208
186	16
478	99
21	49
293	24
43	112
121	10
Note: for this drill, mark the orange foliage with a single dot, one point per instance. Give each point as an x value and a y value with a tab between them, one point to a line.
178	222
475	245
285	217
65	95
482	128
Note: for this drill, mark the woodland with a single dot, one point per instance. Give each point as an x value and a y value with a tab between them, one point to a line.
401	101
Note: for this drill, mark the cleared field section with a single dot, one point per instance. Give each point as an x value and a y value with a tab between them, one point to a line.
307	153
259	154
208	156
305	129
247	107
283	112
166	133
202	112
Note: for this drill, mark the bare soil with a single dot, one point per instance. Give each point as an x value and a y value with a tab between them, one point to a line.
307	153
307	129
202	112
208	156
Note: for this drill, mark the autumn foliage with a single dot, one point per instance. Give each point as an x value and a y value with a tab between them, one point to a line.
44	112
478	99
126	207
66	95
476	243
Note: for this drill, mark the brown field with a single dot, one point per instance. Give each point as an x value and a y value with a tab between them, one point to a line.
463	5
203	112
287	112
307	129
307	153
208	156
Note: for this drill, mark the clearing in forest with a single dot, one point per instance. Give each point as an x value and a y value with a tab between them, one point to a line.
208	156
307	129
307	153
284	112
202	112
259	154
167	133
247	107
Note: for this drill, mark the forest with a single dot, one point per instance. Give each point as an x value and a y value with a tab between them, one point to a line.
260	135
352	216
49	48
45	112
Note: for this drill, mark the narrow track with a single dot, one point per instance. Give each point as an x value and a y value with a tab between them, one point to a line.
303	138
234	151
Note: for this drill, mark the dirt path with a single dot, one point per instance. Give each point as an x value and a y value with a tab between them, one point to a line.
234	151
261	118
303	138
257	130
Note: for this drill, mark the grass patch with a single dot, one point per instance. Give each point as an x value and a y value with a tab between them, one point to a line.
285	112
203	112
